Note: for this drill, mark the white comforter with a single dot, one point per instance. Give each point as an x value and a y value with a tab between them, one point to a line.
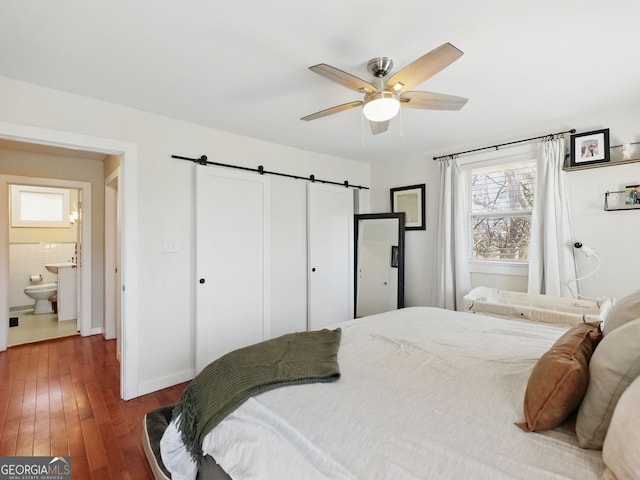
425	393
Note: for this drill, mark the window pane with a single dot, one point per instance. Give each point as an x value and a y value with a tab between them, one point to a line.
35	206
42	207
501	204
501	238
503	188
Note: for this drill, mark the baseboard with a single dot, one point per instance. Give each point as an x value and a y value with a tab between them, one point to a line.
96	331
21	308
165	382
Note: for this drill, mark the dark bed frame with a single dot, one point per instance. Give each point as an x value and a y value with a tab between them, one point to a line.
155	423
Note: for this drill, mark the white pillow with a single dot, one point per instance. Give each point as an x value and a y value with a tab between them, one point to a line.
613	366
623	311
621	448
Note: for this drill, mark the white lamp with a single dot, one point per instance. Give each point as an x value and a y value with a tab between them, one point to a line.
381	106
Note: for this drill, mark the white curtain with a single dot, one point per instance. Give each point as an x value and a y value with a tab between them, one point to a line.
551	262
452	279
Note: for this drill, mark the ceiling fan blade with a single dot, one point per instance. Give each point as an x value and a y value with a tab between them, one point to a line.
424	67
332	110
379	127
343	78
432	101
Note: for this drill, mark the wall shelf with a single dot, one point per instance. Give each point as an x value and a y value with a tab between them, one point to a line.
618	201
619	155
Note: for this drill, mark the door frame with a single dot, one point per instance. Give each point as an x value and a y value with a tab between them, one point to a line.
128	211
111	263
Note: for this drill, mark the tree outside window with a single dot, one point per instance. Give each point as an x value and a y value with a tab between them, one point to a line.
502	199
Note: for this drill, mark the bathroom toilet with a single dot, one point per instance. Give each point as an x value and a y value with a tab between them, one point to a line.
41	294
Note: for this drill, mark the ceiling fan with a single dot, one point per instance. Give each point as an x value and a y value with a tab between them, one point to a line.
382	102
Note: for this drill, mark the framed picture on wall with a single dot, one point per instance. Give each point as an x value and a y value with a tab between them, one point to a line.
590	147
410	200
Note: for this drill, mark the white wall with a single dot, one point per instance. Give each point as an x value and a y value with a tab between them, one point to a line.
165	205
614	235
418	243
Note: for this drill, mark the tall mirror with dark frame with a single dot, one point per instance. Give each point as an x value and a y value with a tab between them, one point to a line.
379	262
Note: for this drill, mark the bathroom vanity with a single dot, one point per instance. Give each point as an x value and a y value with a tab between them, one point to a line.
67	289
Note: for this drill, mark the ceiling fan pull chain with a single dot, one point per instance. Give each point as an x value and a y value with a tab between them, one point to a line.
362	129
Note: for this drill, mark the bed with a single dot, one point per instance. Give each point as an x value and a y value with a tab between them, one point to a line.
424	393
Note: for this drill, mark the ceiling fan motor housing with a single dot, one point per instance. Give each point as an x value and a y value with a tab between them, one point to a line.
380	67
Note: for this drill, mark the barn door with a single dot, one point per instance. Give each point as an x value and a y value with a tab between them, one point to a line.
330	255
232	261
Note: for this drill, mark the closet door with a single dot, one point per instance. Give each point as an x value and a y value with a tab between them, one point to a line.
232	261
330	255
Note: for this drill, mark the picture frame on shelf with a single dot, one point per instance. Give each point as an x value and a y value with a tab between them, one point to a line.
411	201
590	147
632	194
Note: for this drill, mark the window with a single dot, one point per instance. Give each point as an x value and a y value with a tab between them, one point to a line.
501	207
39	206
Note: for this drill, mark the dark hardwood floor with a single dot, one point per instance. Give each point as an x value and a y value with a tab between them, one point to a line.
62	397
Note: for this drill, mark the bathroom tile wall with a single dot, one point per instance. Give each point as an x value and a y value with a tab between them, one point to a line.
26	259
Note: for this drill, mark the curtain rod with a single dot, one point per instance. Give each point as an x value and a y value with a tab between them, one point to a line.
311	178
573	130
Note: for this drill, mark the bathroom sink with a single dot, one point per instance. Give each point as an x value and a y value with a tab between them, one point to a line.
53	267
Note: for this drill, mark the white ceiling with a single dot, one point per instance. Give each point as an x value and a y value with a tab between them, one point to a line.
242	66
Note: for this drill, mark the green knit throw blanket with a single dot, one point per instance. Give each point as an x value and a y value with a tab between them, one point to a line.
226	383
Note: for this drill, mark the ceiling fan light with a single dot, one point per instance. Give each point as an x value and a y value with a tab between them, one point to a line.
381	106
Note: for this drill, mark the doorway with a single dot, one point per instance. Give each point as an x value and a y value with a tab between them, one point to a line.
127	152
45	232
85	256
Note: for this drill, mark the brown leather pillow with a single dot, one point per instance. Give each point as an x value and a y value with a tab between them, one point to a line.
559	379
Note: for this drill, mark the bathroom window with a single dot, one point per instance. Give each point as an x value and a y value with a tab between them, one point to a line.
39	206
